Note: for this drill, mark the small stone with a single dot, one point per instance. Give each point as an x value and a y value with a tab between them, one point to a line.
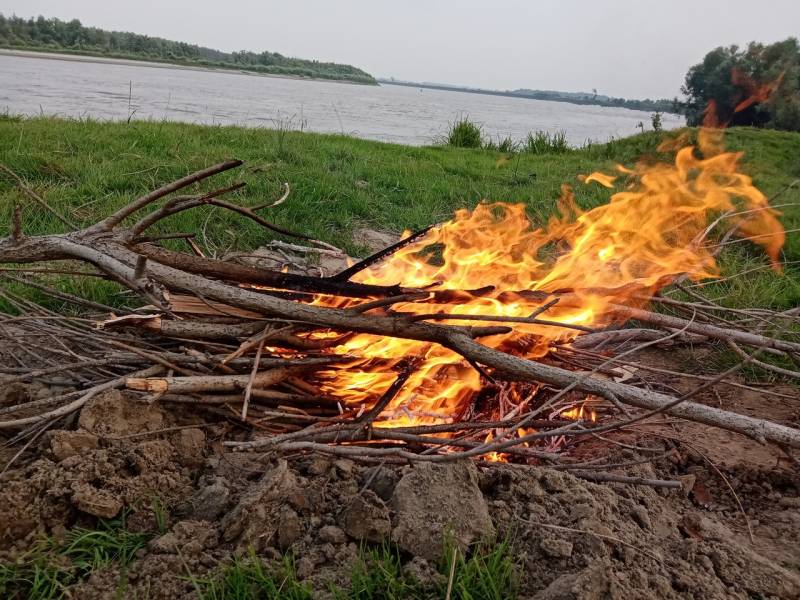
318	465
704	561
97	502
581	511
153	454
380	480
64	444
290	528
641	516
366	518
211	501
187	537
555	548
304	567
328	551
344	466
695	524
682	582
332	535
374	240
189	445
687	483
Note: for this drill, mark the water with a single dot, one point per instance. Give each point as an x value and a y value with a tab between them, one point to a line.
118	89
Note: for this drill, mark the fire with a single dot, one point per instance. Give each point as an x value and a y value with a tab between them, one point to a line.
650	232
580	413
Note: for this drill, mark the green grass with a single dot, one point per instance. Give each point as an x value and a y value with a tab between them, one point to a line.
48	569
463	133
486	573
88	168
544	142
249	578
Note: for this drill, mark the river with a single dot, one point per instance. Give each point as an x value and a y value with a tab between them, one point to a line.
80	87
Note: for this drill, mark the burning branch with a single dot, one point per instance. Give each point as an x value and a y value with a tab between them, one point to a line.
382	377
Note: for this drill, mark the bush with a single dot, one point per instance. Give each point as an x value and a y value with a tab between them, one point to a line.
544	142
464	133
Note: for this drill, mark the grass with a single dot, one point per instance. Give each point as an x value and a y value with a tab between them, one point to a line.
543	142
463	133
87	168
248	577
486	573
46	571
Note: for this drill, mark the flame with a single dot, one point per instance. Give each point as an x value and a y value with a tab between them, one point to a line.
754	92
650	232
580	413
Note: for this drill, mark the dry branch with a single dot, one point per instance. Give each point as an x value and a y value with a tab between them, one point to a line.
214	353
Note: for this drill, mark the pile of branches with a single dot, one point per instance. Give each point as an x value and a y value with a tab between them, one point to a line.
204	334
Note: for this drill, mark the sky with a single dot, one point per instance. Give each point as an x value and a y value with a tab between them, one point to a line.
630	48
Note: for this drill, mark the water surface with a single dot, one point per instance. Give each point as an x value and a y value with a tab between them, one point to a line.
117	90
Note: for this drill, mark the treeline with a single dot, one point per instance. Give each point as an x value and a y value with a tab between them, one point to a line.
72	36
662	105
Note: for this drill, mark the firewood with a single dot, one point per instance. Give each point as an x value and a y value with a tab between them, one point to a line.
206	318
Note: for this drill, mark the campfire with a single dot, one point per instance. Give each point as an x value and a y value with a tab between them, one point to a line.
489	336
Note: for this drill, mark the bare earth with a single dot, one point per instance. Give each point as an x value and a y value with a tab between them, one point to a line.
572	538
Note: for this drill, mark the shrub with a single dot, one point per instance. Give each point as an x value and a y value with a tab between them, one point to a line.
463	133
544	142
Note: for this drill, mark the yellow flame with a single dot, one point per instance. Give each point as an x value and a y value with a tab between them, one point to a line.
621	252
580	413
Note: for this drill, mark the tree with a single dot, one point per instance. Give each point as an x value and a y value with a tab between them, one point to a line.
758	86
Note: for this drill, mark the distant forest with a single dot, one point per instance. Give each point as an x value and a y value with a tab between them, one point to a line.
663	105
72	37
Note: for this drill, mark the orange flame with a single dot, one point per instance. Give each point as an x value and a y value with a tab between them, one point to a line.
580	413
649	233
754	93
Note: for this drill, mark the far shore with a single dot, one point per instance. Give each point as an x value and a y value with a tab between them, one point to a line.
90	58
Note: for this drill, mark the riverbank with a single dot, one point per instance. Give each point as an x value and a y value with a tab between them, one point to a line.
110	59
340	184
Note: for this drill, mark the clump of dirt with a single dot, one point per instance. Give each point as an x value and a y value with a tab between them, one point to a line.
571	538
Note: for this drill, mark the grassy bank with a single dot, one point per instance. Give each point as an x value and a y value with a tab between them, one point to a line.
88	168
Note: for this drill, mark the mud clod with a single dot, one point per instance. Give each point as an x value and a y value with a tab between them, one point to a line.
255	520
187	537
64	444
112	413
555	548
435	502
366	518
332	535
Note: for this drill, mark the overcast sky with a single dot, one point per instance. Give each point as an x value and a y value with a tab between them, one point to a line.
632	48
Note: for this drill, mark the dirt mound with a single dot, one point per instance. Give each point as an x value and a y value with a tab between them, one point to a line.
571	538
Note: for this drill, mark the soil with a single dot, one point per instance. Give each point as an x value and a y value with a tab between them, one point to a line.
572	539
